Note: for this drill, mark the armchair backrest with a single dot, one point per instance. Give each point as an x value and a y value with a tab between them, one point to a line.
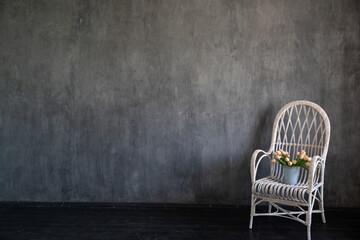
301	125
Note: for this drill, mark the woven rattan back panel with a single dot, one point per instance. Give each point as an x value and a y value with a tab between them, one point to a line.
301	125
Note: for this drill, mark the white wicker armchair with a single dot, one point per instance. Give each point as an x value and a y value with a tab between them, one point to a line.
298	125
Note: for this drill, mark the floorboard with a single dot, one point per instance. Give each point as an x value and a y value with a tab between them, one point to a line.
27	221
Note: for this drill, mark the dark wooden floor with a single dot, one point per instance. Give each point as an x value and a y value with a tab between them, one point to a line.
164	222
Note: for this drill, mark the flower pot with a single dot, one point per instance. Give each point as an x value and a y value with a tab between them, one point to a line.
291	175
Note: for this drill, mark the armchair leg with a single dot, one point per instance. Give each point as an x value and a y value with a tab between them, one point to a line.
269	209
252	212
308	223
308	218
323	216
308	233
321	203
251	222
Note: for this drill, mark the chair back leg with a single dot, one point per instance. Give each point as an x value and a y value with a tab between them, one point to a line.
321	202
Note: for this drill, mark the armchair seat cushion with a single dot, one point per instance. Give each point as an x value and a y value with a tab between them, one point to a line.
270	187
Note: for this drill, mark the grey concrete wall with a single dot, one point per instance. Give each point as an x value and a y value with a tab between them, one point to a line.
164	101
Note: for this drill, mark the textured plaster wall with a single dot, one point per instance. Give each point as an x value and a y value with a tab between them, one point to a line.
164	101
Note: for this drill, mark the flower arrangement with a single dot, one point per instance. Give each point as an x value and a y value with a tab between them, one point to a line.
283	157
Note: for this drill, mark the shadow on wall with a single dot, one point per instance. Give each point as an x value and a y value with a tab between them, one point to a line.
231	183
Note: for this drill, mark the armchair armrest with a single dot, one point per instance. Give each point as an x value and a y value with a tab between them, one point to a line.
316	171
255	162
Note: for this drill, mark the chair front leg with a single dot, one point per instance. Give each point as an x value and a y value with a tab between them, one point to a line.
309	215
252	211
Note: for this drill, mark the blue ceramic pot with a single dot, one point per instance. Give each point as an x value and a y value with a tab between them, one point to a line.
291	175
